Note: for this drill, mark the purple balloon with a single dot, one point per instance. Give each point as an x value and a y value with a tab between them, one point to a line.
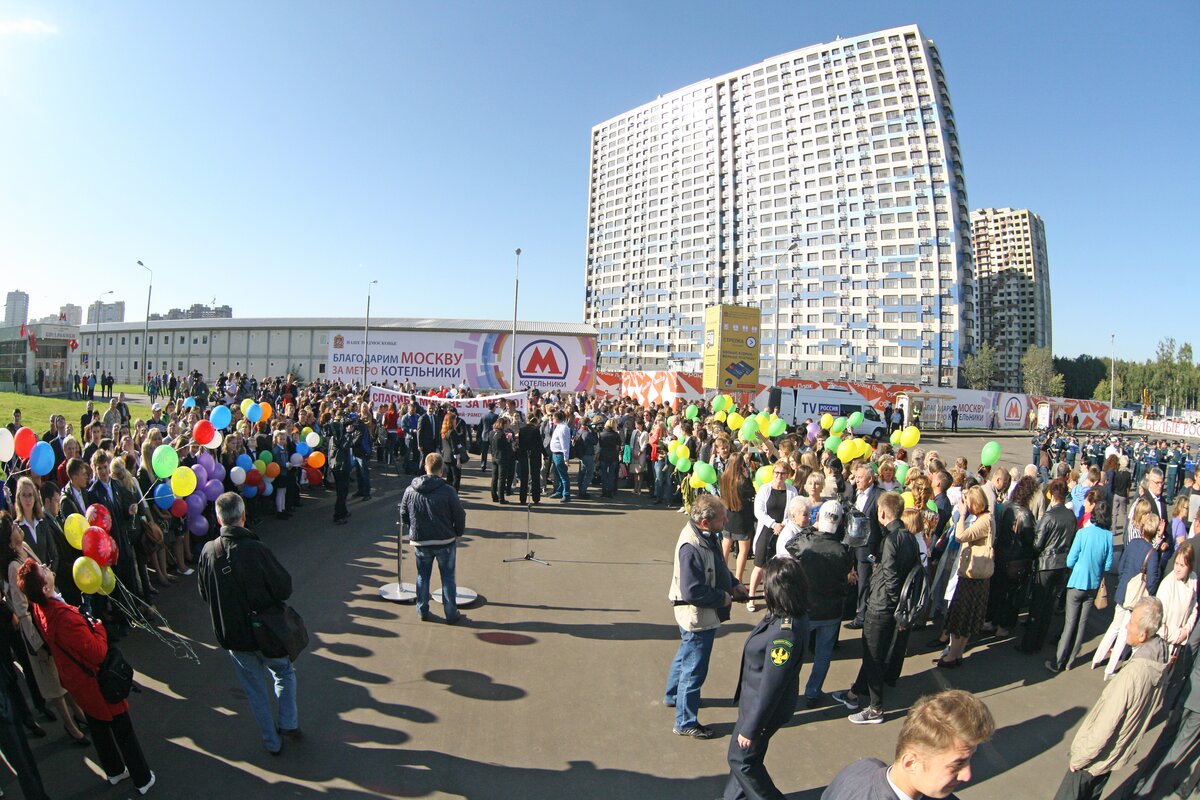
206	461
198	526
217	472
212	490
195	504
201	474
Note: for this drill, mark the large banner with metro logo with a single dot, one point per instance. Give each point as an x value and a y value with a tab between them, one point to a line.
482	360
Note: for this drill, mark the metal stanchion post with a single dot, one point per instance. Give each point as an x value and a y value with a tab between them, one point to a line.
528	549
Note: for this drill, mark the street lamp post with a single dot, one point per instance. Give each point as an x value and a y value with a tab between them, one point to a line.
146	327
367	332
1112	380
512	366
99	305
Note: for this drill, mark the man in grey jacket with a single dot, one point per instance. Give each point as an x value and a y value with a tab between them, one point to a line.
435	519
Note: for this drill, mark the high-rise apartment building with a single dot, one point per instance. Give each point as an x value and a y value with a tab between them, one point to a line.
16	309
109	312
825	184
196	311
1014	287
71	314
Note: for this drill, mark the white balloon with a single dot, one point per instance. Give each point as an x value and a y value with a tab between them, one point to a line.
215	442
7	445
313	439
237	475
296	459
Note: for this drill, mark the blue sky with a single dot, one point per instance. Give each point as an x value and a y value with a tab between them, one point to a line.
278	156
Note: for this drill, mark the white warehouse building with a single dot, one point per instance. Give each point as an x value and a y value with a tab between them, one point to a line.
306	347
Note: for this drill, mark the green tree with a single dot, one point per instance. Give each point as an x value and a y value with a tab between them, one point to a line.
1038	375
1081	374
979	368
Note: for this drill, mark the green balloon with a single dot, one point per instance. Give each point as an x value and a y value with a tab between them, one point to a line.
692	412
765	474
932	506
991	454
833	443
855	420
265	457
705	472
901	473
164	461
683	464
748	433
777	428
839	425
895	439
672	459
721	402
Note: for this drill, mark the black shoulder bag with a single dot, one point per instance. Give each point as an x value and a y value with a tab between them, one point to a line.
115	676
278	631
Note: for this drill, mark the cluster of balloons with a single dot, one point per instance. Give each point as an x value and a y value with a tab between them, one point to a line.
91	533
838	425
906	437
255	412
704	476
848	449
26	445
752	427
306	448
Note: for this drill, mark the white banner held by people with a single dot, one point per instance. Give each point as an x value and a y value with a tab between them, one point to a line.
470	409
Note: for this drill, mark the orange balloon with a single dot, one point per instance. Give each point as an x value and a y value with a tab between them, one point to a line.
267	411
316	459
272	470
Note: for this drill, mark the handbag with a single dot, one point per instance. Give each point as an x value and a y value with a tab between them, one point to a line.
1101	600
115	676
980	560
1135	590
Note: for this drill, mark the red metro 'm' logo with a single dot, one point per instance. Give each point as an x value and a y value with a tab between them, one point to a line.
1013	411
543	359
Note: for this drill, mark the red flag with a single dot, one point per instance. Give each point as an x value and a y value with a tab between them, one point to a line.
32	342
22	330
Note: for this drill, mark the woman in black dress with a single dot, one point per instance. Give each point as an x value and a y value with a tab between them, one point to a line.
737	492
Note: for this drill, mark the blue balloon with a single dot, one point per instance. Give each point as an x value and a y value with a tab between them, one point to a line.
254	412
248	490
41	459
163	496
245	462
268	489
220	417
189	403
303	449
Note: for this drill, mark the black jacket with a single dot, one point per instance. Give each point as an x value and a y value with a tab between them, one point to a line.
610	445
826	563
898	556
863	554
432	512
769	681
529	440
1055	533
246	578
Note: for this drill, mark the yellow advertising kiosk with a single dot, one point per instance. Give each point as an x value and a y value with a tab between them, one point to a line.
731	345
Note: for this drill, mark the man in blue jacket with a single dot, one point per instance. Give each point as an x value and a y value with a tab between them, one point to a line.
435	519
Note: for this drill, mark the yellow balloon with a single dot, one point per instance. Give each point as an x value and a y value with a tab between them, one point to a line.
847	451
108	581
674	445
245	406
74	528
910	436
735	421
683	451
865	450
183	481
908	499
696	481
720	416
827	420
87	575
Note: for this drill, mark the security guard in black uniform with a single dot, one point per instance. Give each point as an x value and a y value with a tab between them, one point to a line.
769	682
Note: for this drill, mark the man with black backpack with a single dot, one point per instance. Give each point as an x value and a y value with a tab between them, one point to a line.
239	576
881	635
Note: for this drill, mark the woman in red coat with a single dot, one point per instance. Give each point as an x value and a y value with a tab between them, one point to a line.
78	643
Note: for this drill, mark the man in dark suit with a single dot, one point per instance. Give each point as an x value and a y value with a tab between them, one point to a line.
1055	533
924	766
866	497
485	435
1154	482
73	500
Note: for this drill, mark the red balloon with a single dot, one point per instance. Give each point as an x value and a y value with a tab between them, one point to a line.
99	546
98	515
24	441
314	476
203	431
179	507
254	477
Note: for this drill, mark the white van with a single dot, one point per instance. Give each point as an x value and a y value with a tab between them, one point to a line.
811	405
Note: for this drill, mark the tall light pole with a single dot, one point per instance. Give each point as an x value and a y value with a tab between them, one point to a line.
367	332
146	327
512	366
99	305
1112	381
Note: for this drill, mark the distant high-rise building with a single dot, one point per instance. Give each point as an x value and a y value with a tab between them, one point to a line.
109	312
196	311
71	314
1014	287
16	308
825	182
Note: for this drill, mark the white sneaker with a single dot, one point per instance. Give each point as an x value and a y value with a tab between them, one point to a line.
115	779
188	571
146	788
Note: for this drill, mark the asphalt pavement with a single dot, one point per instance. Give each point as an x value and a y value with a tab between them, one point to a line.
551	688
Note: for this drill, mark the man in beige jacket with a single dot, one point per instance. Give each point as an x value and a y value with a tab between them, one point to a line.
1109	735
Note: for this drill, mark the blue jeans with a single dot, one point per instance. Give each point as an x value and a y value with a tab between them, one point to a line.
662	481
827	633
562	480
608	477
446	556
364	474
587	468
254	672
688	671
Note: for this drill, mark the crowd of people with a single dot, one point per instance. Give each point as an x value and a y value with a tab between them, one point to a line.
807	522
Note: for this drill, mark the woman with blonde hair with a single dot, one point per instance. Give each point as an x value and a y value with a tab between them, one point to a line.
976	533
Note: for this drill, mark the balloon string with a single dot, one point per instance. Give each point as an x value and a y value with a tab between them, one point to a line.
128	603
